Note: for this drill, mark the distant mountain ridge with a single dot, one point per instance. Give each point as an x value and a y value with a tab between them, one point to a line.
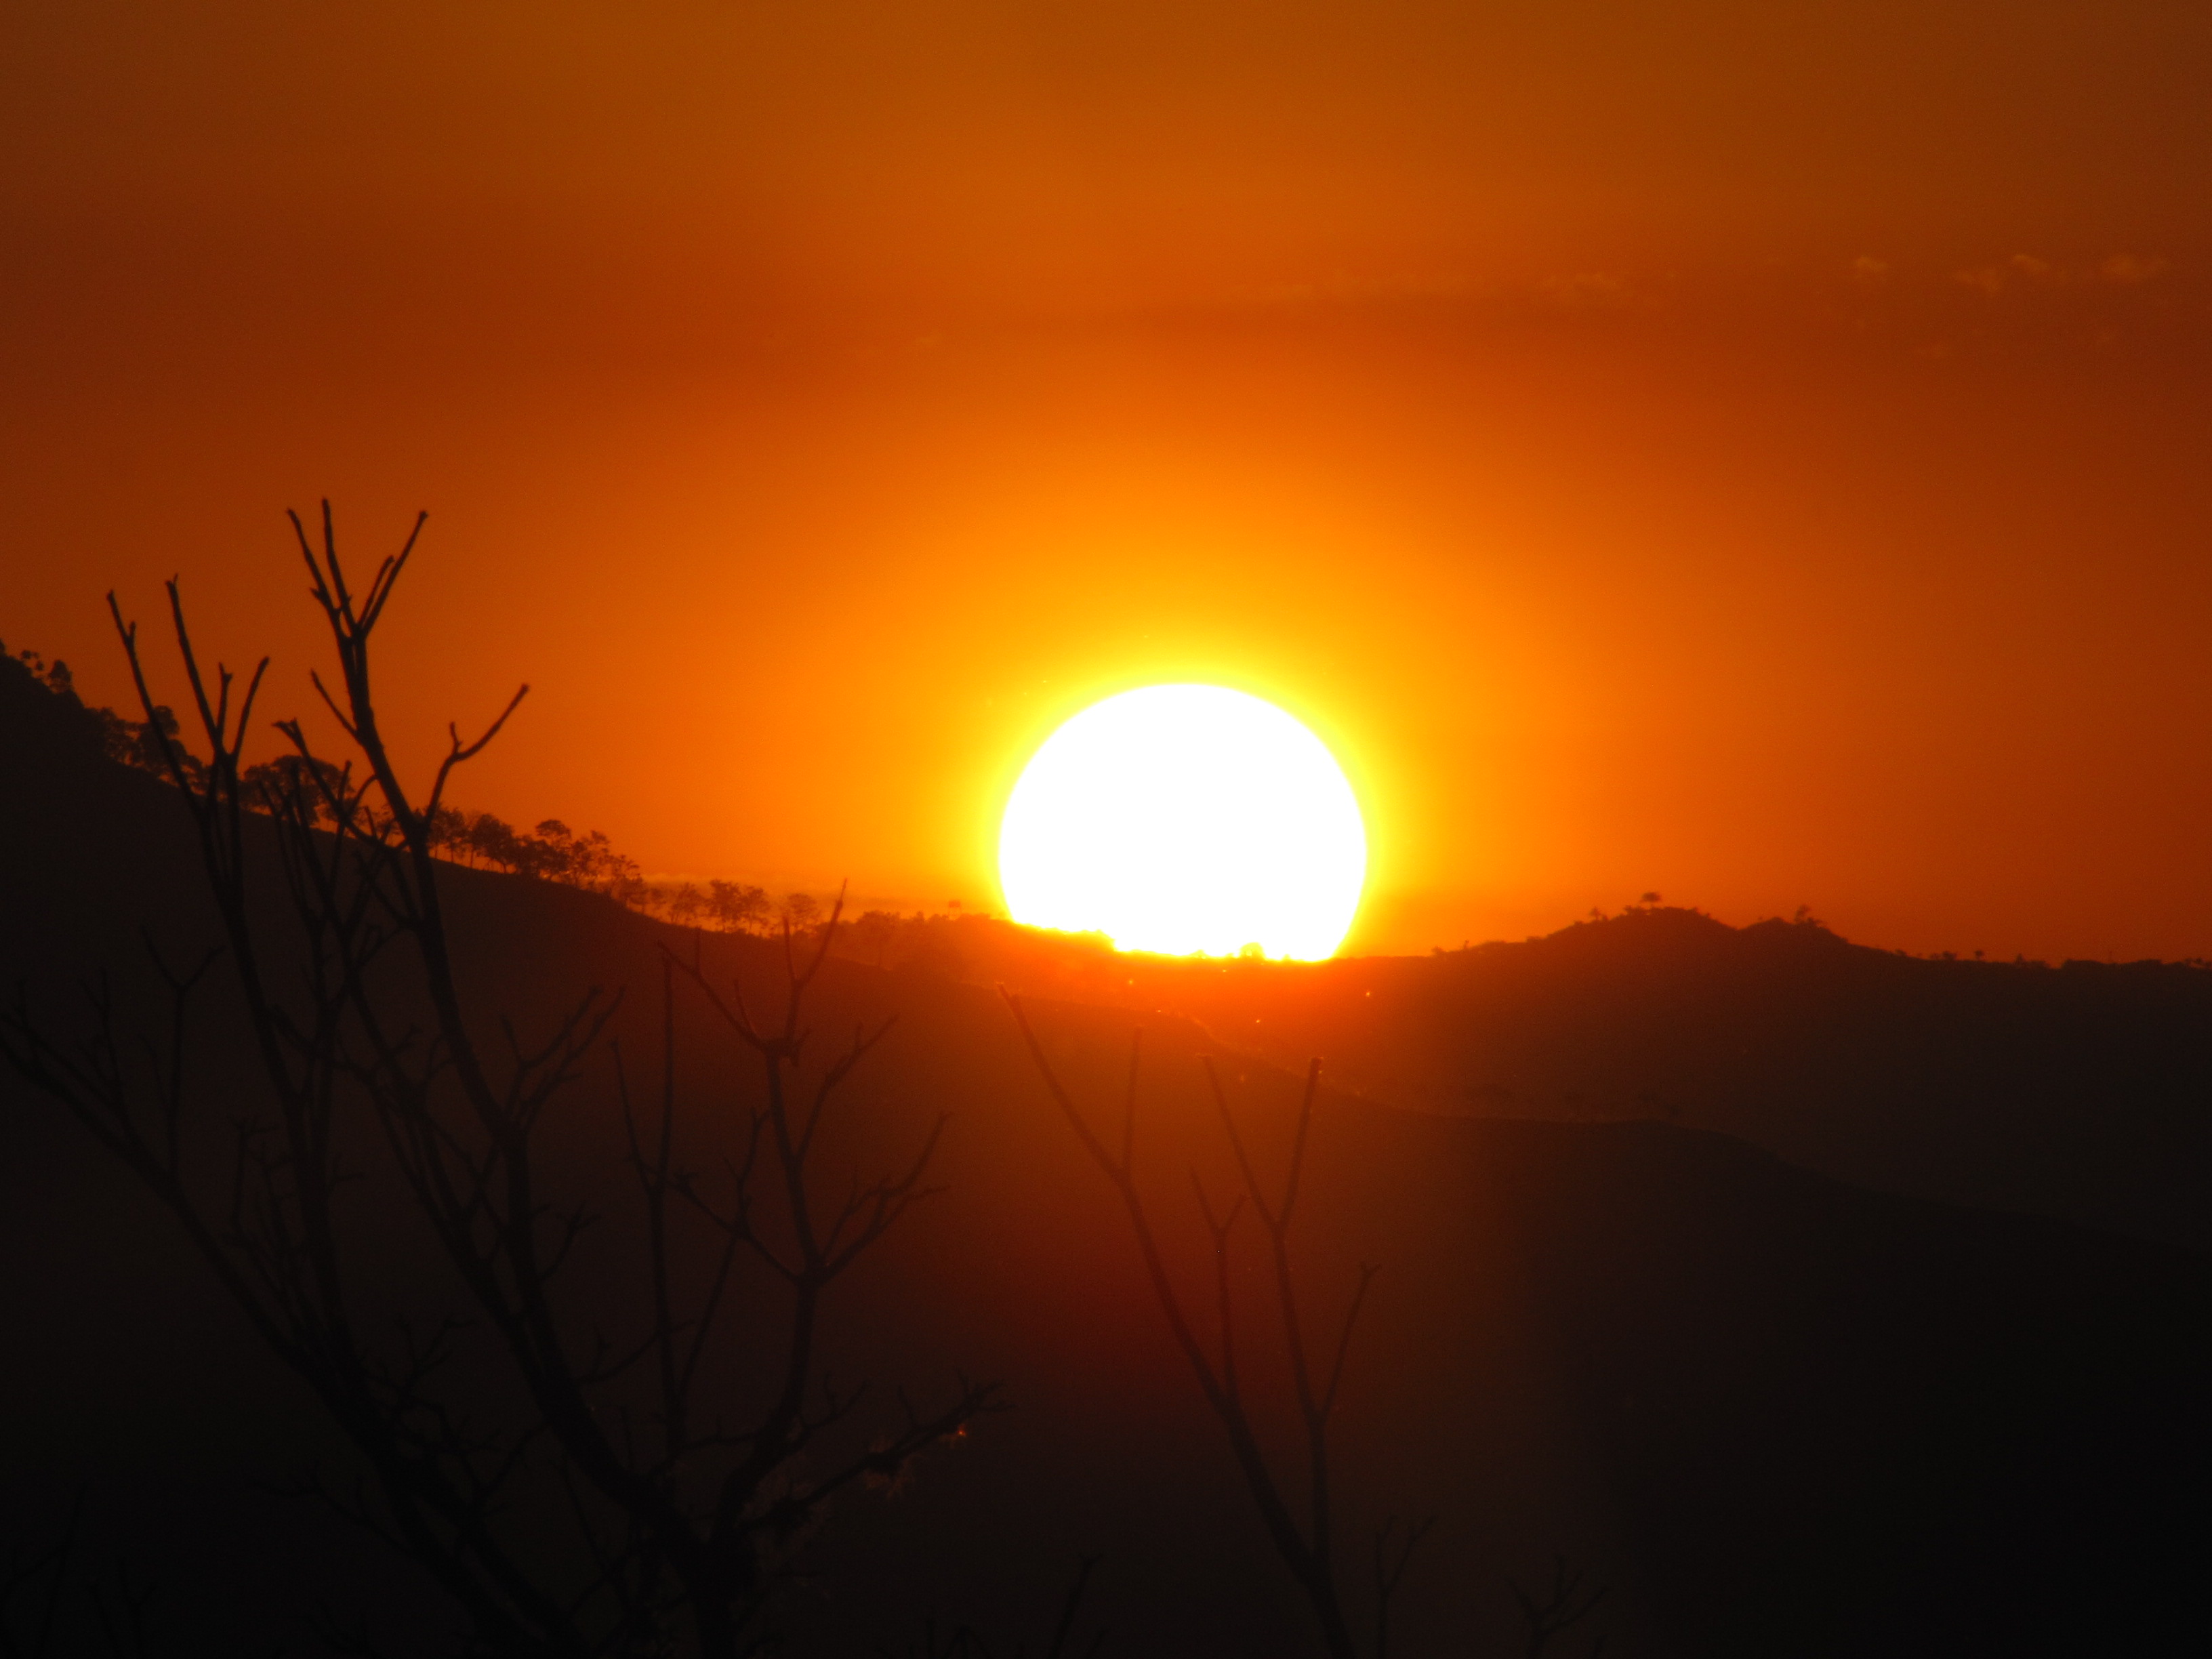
2083	1091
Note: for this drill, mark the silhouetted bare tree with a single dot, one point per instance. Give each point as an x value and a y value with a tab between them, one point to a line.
51	1608
34	1582
677	1520
1567	1602
1307	1545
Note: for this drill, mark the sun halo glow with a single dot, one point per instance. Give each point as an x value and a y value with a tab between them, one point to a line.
1186	819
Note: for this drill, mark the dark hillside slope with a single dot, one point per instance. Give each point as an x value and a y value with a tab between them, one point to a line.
1774	1413
2083	1091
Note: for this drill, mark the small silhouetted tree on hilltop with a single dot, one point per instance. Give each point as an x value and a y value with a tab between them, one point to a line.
612	1502
736	908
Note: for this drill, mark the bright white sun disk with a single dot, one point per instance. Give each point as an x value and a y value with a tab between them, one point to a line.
1180	818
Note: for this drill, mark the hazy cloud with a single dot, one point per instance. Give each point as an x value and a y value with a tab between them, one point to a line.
2129	270
2022	270
2027	270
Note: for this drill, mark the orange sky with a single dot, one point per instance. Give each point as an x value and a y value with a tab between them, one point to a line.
1756	453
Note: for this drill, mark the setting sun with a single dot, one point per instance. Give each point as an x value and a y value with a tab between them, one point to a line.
1185	818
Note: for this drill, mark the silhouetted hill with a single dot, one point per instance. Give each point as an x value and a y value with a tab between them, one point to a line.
1777	1414
2083	1091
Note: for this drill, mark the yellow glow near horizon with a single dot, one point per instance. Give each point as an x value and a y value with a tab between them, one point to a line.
1186	819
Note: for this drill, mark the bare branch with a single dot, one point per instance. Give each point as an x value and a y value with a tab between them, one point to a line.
1393	1554
1559	1609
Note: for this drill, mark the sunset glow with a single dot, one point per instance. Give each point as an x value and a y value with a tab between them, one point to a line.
1185	818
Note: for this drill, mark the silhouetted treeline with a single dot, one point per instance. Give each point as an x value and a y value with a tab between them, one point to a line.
46	694
551	852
